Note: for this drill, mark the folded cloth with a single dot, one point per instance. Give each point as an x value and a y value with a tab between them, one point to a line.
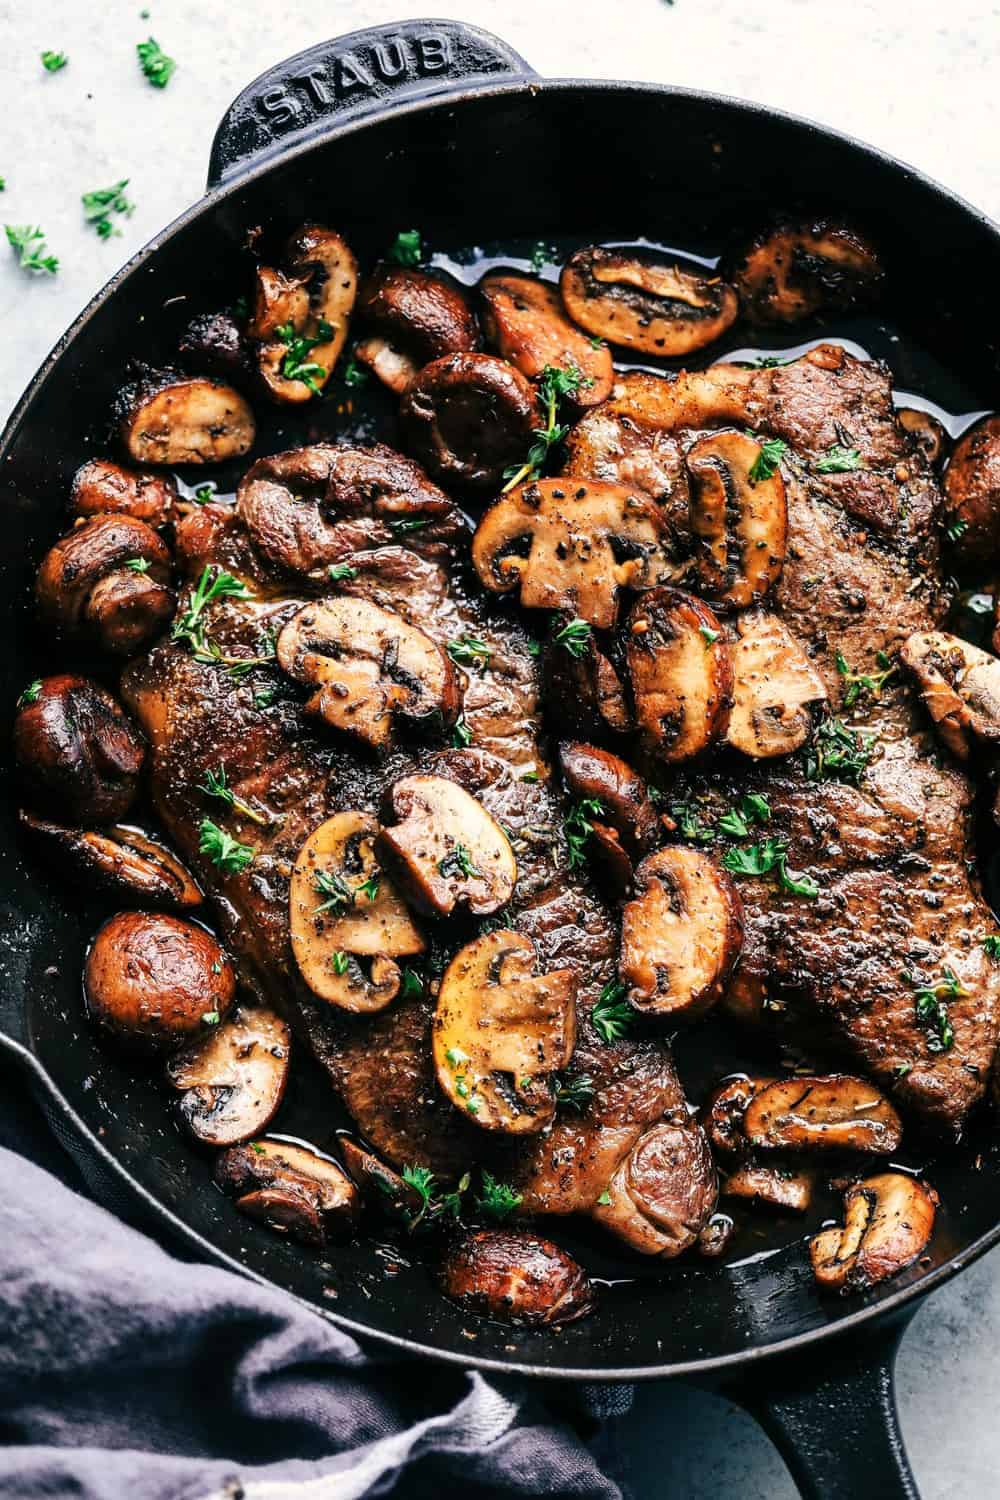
129	1374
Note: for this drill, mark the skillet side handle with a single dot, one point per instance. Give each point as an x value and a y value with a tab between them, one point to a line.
832	1416
354	75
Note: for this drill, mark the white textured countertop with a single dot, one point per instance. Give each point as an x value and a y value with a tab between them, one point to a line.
918	78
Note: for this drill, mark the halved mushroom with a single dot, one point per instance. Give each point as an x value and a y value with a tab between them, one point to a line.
681	671
776	688
972	493
232	1080
501	1032
664	1191
168	418
888	1221
300	318
571	545
795	271
343	908
77	752
681	935
830	1113
153	981
109	579
929	435
444	848
516	1277
292	1189
788	1188
368	665
960	686
739	518
468	418
415	316
627	826
379	1185
523	319
101	487
583	693
213	344
645	302
122	861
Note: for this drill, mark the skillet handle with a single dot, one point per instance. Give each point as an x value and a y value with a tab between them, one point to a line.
832	1416
352	76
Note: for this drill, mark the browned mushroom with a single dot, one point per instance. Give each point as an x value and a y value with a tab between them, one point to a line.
583	692
468	418
645	302
214	344
501	1032
314	507
664	1192
169	418
415	316
516	1277
795	271
787	1188
928	434
835	1113
301	318
378	1184
444	848
776	689
523	319
681	935
101	487
627	826
125	862
571	545
972	493
723	1113
739	518
108	579
888	1221
960	686
344	909
368	666
152	981
292	1189
77	752
681	671
232	1080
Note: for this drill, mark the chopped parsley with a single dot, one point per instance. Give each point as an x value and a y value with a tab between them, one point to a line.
765	465
431	1203
225	852
339	962
28	244
155	64
498	1200
839	460
543	255
612	1015
369	886
554	385
689	824
210	1018
771	855
991	945
31	694
461	734
736	823
296	364
215	784
857	683
956	530
54	62
336	890
411	985
407	248
189	627
605	1197
839	753
405	528
575	1093
577	827
469	651
931	1007
459	862
709	636
342	573
574	638
204	494
101	203
354	374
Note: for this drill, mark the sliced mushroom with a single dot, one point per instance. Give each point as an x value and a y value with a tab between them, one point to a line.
664	1192
232	1080
831	1113
291	1189
108	579
788	1188
101	487
415	316
795	271
960	686
343	908
368	666
681	671
723	1114
168	418
153	981
468	418
929	435
972	493
501	1032
378	1184
627	826
571	545
444	848
523	319
301	318
77	752
583	692
776	689
681	935
739	519
888	1221
516	1277
645	302
214	344
122	861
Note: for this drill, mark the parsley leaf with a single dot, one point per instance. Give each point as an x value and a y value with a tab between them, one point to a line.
865	682
54	62
765	465
339	962
839	753
99	204
342	573
575	1093
991	944
354	374
461	734
765	857
931	1007
468	651
458	861
612	1015
554	385
956	530
407	248
543	255
155	64
689	824
839	460
214	583
577	827
296	364
336	890
29	243
216	785
574	638
225	852
31	694
498	1200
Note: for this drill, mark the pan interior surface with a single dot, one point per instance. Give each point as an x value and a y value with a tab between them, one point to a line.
564	164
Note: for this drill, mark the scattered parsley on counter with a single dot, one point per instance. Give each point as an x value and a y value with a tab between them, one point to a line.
29	243
99	204
612	1015
498	1200
33	692
407	248
765	465
839	460
225	852
54	62
155	64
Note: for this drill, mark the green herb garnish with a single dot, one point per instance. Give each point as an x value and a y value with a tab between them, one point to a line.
137	565
216	784
31	694
857	683
336	890
839	753
210	1018
459	862
411	985
461	734
342	573
296	364
213	584
612	1015
225	852
577	827
991	945
155	64
765	465
54	62
956	530
28	243
354	374
574	638
99	204
339	962
575	1093
543	255
554	385
468	651
407	248
497	1201
931	1006
765	857
839	460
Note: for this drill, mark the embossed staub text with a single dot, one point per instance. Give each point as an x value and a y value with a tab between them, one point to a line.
375	69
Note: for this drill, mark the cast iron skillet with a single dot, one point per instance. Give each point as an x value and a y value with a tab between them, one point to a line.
440	125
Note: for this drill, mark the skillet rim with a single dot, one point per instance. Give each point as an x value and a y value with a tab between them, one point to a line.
273	161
